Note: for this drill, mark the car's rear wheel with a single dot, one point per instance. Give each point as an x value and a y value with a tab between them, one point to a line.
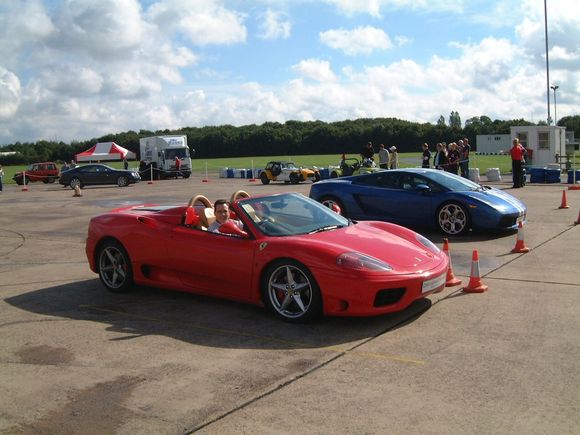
122	181
264	178
74	182
294	178
331	202
50	180
316	177
452	218
115	269
291	292
334	174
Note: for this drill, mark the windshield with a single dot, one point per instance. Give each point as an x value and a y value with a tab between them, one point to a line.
171	153
291	214
453	182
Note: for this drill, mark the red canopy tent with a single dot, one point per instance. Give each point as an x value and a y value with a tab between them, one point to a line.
104	151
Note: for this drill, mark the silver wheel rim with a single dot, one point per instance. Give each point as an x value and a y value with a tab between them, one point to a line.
290	291
123	181
113	267
75	182
452	219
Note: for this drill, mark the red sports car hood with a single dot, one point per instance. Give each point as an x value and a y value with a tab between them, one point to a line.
403	252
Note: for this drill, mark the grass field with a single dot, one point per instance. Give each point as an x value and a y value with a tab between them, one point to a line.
321	161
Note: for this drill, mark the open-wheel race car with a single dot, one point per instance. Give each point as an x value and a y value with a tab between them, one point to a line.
352	166
294	255
288	172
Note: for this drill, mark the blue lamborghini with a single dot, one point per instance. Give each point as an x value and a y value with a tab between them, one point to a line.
421	198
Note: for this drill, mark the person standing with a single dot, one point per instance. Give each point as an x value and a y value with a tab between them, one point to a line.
440	158
383	157
517	152
426	163
125	163
177	163
1	176
453	158
393	158
464	165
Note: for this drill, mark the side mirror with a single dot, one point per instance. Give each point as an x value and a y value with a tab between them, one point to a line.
232	229
422	188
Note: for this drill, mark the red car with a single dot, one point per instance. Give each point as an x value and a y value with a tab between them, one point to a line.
294	255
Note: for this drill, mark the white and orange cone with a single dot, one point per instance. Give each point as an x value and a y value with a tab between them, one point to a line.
577	221
520	247
564	203
475	285
450	281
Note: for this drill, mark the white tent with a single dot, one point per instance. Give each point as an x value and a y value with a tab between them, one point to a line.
104	151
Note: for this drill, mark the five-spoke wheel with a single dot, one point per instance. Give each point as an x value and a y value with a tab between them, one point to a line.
115	267
452	218
291	292
122	181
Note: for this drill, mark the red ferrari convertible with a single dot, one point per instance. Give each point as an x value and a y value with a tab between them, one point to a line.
294	255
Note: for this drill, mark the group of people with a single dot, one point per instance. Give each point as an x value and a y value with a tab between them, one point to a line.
452	157
388	158
65	166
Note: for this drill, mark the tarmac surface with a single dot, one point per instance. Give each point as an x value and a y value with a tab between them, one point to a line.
77	359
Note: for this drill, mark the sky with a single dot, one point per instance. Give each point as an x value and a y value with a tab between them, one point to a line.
72	70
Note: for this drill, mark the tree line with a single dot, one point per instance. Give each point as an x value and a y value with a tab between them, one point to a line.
289	138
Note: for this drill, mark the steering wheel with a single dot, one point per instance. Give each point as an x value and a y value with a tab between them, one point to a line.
239	194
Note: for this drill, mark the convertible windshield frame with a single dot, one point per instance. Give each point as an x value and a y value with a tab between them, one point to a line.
290	214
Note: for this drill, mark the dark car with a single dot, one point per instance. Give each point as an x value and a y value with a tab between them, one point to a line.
422	197
98	174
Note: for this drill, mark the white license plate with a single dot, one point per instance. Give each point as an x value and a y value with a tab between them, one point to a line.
433	283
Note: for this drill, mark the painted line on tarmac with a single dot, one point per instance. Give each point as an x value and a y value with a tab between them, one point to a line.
296	344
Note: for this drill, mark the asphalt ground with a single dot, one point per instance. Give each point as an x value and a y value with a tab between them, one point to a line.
77	359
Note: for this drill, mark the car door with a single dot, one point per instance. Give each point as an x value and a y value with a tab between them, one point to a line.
212	263
395	197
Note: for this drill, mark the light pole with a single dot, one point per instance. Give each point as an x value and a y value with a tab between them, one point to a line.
554	88
547	60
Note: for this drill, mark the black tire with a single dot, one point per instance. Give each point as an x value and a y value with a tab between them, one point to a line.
294	178
264	178
75	182
114	266
186	175
290	291
19	181
122	181
452	218
334	174
51	180
328	201
316	177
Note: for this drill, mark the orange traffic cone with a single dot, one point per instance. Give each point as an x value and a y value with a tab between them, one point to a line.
475	285
450	280
520	247
577	222
564	200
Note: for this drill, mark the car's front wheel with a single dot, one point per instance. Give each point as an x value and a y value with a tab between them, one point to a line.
294	178
74	182
334	174
115	269
122	181
333	203
291	292
264	178
452	218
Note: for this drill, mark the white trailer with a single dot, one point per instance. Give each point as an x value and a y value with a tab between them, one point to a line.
159	155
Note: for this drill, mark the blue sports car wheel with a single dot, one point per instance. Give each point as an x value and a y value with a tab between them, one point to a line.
452	218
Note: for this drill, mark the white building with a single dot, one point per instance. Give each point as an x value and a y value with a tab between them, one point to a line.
543	143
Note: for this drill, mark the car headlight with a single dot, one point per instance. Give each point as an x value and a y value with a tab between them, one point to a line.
358	261
428	244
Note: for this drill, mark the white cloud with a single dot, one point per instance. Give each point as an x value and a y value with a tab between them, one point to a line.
202	21
361	40
315	69
375	7
275	25
9	93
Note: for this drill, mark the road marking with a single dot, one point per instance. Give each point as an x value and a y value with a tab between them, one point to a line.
297	344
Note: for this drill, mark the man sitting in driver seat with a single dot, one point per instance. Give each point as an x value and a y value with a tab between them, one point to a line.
222	215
